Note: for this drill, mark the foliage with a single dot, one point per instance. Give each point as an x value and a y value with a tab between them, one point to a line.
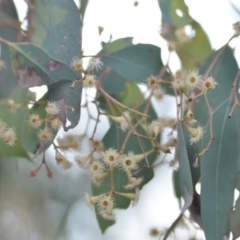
204	133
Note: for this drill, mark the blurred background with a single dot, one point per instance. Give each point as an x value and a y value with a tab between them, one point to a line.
42	208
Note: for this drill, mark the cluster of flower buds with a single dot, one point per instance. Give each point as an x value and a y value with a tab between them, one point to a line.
88	80
185	82
50	122
100	168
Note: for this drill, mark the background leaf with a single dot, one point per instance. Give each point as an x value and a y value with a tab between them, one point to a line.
34	67
127	62
184	33
183	175
9	31
219	170
56	27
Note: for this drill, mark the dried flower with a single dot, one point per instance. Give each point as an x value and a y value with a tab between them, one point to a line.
52	108
83	161
62	161
70	142
179	84
56	123
152	82
45	135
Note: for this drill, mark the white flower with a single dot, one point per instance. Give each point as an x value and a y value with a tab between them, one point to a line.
111	157
34	121
128	161
95	63
77	64
192	79
96	168
9	136
89	81
209	83
52	108
106	203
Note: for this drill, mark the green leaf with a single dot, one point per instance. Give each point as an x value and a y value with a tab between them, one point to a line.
34	67
7	79
120	178
56	27
135	63
219	170
126	62
113	82
184	176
